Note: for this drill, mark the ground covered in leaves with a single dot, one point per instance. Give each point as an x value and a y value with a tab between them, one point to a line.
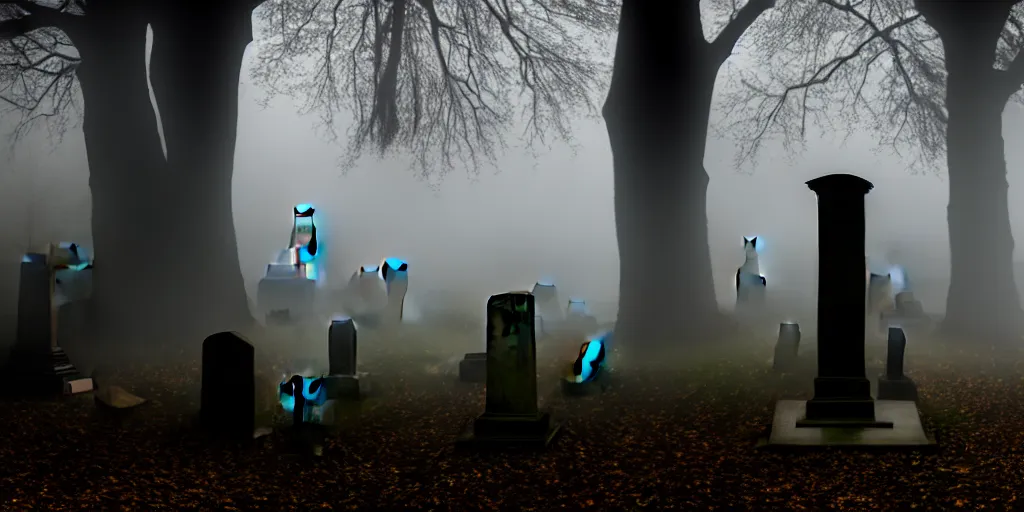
670	438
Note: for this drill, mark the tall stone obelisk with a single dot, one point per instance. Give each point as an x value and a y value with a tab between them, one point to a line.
842	392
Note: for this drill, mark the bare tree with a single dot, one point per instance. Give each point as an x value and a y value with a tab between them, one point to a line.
37	67
932	78
657	113
440	79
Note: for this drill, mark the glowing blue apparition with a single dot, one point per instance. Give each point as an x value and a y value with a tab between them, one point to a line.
898	278
305	247
314	399
589	362
68	261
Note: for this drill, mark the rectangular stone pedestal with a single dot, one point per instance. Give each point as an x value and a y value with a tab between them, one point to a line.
498	431
347	387
41	373
906	430
896	389
473	367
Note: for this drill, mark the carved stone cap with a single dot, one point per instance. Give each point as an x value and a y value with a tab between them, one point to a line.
840	184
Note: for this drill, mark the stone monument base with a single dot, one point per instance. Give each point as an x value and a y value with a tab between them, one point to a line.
473	367
501	431
896	389
906	430
347	387
41	374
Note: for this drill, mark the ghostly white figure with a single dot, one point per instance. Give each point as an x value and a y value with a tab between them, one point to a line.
366	293
750	284
545	299
395	273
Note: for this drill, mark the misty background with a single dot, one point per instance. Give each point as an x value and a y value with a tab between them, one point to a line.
538	213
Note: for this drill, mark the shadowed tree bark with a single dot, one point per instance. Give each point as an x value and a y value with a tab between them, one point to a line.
121	137
194	68
946	74
657	114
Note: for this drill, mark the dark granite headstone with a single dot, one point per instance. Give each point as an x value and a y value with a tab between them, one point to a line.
341	347
511	414
895	385
228	396
842	392
787	347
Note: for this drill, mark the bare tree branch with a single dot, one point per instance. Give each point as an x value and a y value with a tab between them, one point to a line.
741	20
37	66
867	63
440	79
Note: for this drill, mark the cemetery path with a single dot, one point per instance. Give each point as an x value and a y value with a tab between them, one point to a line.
671	439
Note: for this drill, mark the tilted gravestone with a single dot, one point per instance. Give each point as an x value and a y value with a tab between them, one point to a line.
228	396
894	384
511	415
787	347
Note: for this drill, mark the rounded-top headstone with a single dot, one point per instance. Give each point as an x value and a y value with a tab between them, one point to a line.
839	184
228	395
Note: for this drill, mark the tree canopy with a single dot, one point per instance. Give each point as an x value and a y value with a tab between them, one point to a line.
850	64
441	79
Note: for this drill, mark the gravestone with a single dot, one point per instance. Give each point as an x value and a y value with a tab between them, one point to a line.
344	381
842	411
37	365
277	295
578	318
842	392
473	367
545	295
341	346
894	384
511	415
787	347
228	395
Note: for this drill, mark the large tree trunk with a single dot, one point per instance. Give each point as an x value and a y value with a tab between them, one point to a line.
983	304
195	66
124	155
657	119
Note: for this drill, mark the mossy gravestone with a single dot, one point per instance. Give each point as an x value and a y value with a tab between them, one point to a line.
228	396
511	415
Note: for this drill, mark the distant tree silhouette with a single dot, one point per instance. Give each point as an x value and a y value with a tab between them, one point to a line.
934	81
440	79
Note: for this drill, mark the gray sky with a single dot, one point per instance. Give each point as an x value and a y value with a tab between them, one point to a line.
549	216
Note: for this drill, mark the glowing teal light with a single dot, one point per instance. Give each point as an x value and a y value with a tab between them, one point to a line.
303	207
545	282
318	398
366	269
590	361
394	263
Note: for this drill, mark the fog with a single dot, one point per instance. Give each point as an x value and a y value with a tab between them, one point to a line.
545	212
